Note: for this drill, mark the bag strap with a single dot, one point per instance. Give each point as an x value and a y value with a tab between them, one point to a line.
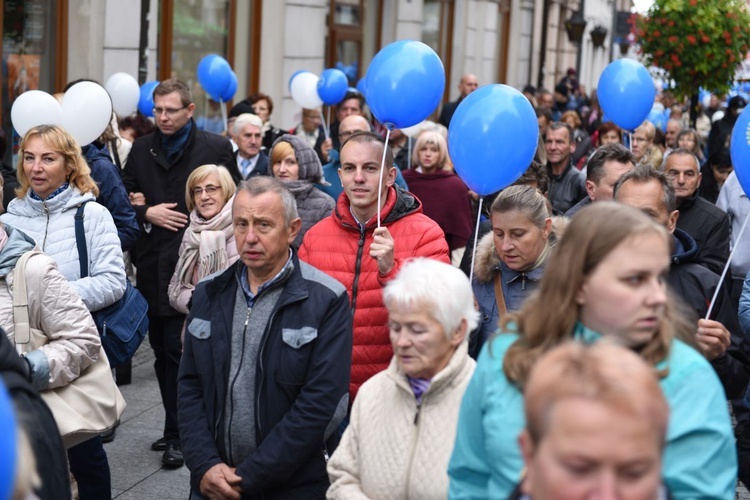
21	323
499	297
83	254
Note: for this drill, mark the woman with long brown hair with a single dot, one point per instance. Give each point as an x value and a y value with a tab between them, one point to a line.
606	279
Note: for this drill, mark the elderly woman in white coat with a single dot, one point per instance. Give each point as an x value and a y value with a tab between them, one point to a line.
54	179
403	421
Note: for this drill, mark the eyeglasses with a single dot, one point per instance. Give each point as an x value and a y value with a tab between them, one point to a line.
168	111
210	190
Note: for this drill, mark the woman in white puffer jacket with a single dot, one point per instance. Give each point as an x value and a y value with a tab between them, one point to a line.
54	181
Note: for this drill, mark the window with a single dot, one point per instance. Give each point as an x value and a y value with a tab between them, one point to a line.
345	38
437	32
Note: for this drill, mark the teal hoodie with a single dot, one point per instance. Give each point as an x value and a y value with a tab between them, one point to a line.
18	244
700	460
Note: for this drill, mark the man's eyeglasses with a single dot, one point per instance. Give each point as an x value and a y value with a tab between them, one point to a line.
168	111
210	190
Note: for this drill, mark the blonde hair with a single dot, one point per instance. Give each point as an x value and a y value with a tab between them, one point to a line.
62	143
431	138
281	150
228	187
604	373
548	317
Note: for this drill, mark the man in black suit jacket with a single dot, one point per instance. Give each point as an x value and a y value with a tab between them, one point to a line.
466	86
248	134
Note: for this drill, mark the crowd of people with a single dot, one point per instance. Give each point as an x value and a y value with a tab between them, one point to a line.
325	326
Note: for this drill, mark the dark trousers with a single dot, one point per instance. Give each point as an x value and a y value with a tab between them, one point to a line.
90	467
164	336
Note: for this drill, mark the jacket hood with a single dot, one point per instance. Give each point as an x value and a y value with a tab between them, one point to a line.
486	259
685	248
308	162
18	243
95	151
68	199
398	204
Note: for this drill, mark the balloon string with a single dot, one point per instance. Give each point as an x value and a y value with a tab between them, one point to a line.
476	238
726	266
325	125
382	168
409	151
630	140
224	114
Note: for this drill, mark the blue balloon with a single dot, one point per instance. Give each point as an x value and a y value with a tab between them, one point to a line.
7	444
146	102
740	149
332	86
626	93
214	75
658	118
231	89
405	82
362	86
492	137
293	75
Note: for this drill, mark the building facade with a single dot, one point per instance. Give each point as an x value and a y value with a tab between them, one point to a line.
47	43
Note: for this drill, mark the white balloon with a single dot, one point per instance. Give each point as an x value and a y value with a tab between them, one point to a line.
87	110
125	93
413	130
304	89
33	108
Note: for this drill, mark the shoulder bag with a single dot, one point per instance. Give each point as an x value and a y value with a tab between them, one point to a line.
88	406
123	325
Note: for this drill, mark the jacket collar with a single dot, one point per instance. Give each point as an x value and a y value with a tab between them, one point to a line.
685	248
398	204
686	203
30	207
443	380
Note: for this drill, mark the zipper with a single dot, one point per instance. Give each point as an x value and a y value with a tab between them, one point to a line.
46	226
418	424
231	387
358	267
261	373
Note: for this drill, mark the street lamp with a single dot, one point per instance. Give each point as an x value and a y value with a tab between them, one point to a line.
575	26
598	34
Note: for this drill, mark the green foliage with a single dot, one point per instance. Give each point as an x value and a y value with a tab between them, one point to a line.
698	42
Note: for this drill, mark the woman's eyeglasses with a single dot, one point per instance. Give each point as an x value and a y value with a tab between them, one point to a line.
210	190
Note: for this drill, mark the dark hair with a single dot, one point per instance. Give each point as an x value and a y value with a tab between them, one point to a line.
720	158
606	128
604	154
260	96
545	113
3	143
174	85
353	94
530	89
535	174
70	84
659	138
558	126
370	137
139	123
643	174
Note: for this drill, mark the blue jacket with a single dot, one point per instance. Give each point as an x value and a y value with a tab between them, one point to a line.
301	383
331	175
700	460
112	193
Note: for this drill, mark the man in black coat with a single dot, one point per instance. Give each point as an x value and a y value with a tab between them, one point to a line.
248	135
466	86
155	178
704	221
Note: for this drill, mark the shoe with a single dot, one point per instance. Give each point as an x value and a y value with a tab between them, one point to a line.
159	445
109	436
172	457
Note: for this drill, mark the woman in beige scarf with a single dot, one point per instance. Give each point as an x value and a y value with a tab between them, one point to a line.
208	245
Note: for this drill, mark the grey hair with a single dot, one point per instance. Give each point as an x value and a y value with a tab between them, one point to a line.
525	199
643	174
682	152
261	184
442	290
246	119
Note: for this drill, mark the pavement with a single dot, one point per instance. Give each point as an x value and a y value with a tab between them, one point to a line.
136	471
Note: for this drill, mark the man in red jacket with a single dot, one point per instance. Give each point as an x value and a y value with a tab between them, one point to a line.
351	247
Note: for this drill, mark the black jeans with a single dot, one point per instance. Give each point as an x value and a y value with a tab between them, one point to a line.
164	336
90	467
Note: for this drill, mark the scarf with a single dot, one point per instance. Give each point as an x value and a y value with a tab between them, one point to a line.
173	144
205	247
418	386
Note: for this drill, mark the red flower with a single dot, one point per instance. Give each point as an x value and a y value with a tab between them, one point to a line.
673	39
693	3
657	33
726	34
692	39
705	39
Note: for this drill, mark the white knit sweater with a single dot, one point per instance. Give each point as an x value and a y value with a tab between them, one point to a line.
392	449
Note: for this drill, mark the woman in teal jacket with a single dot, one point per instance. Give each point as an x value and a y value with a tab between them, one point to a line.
606	279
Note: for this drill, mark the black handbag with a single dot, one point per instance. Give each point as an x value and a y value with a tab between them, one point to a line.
123	325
